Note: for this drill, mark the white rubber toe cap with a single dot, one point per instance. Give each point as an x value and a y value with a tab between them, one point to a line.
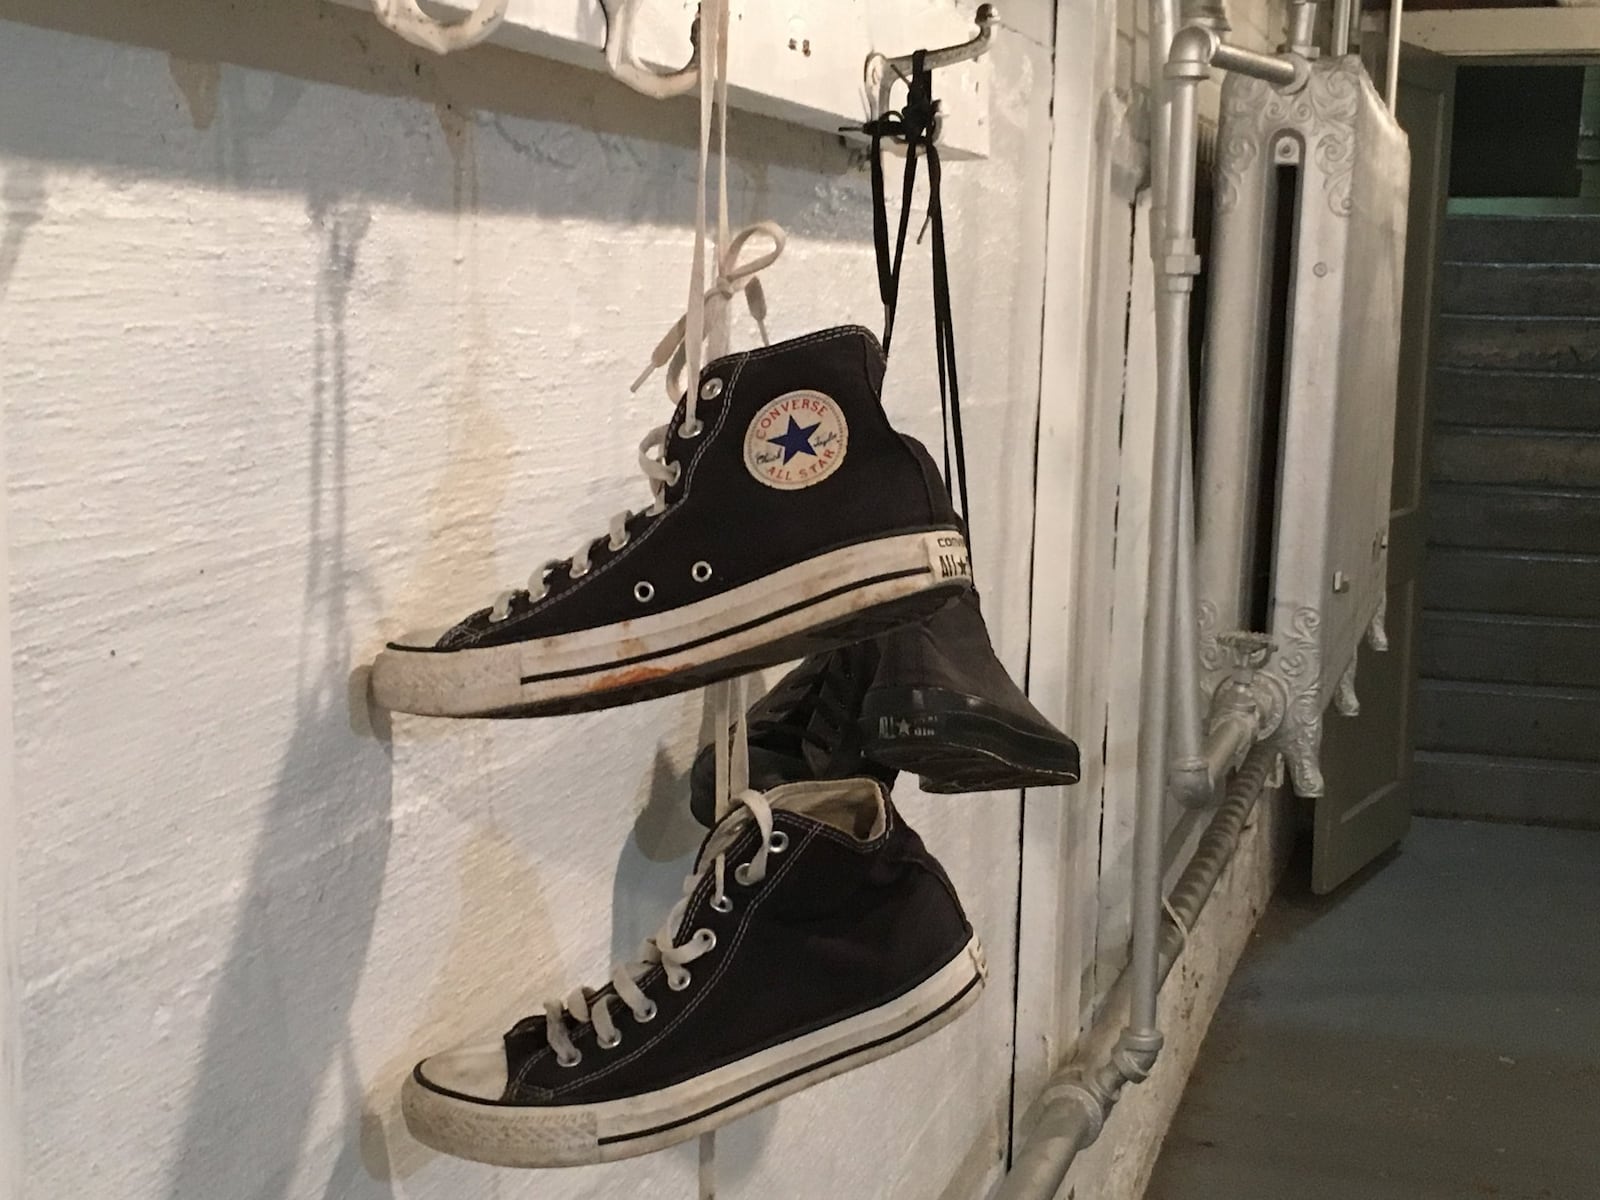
476	1071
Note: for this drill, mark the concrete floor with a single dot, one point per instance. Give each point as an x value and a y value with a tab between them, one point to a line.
1429	1032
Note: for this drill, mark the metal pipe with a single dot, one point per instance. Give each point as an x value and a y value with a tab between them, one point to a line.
1177	266
1191	783
1227	740
1302	27
1286	71
1074	1106
1340	45
1163	26
1391	86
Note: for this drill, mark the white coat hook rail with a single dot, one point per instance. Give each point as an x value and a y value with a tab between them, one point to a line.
800	62
625	66
406	18
884	71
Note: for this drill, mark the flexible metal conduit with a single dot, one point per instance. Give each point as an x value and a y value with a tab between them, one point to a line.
1074	1106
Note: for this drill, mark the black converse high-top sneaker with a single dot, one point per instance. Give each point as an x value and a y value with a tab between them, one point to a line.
931	700
804	728
942	706
789	518
817	934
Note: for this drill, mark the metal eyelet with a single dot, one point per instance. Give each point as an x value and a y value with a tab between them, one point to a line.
722	904
612	1044
706	938
677	474
779	843
577	1057
676	986
615	546
701	571
574	573
648	1015
644	591
711	388
742	874
692	428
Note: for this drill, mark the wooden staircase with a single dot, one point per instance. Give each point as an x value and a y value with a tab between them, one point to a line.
1509	699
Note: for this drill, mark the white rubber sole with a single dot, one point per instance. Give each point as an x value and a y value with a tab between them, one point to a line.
580	1135
839	597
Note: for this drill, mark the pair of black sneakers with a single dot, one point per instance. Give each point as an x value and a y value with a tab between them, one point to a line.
817	933
792	519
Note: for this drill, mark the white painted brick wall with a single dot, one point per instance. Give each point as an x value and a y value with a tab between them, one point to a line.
304	339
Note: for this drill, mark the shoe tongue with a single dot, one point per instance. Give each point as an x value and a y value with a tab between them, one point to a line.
817	758
852	806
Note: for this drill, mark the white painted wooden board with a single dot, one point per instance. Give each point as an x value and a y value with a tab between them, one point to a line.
802	61
1570	31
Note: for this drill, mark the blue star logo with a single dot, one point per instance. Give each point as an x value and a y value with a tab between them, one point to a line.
796	440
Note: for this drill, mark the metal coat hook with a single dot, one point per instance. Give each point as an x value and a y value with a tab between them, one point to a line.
622	63
407	19
884	71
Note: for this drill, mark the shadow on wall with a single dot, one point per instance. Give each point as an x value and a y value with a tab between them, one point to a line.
277	1034
589	129
23	197
277	1024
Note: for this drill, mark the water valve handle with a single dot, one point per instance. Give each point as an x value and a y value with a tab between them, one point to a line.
1250	651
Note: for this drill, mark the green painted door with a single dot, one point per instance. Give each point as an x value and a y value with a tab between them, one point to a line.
1367	759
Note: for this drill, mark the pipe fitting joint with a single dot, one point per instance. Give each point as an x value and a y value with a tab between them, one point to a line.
1181	258
1082	1099
1302	72
1190	783
1136	1054
1193	48
1210	14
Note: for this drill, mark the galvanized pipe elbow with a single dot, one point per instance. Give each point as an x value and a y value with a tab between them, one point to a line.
1193	48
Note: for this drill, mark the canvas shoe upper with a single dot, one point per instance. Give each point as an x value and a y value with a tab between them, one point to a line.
816	934
790	518
806	727
942	706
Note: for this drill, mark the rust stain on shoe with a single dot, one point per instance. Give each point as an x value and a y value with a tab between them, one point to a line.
633	675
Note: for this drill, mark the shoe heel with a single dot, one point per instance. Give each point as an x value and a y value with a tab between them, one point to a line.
959	743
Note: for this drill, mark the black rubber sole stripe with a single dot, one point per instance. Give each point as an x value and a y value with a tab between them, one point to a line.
975	981
731	630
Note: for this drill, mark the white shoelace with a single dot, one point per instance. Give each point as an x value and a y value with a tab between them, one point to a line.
586	1007
682	350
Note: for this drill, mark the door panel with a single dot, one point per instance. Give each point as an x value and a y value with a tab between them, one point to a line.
1367	759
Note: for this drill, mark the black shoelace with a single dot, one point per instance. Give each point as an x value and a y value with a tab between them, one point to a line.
914	124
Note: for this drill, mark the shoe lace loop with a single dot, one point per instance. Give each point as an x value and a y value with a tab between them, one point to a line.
658	472
590	1007
733	276
681	350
